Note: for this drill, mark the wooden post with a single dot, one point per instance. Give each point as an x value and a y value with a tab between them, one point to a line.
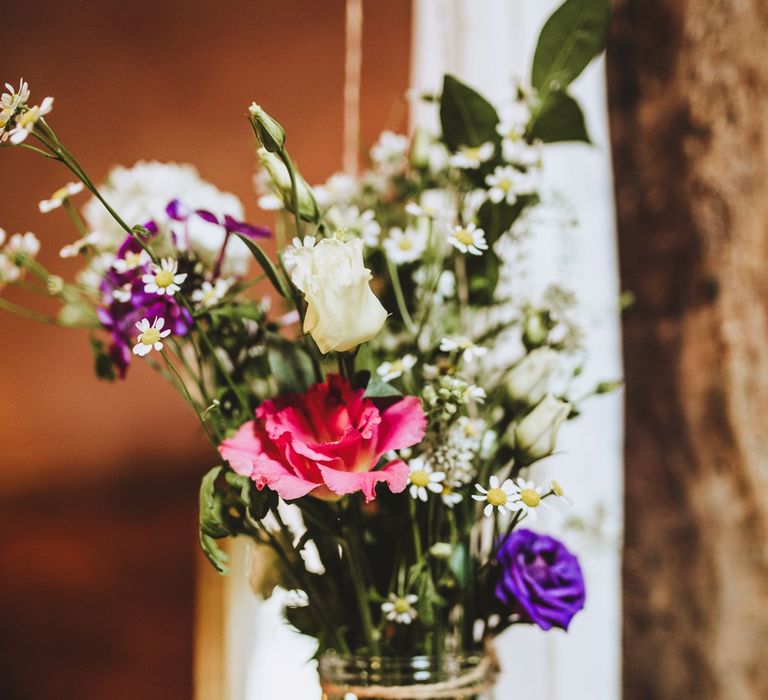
689	103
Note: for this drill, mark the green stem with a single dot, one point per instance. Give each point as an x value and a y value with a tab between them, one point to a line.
188	397
76	220
26	313
394	275
415	529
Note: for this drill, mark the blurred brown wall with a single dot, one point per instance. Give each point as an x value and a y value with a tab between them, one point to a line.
97	481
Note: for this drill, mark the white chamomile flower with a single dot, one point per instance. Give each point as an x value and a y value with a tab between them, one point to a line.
557	490
362	224
505	183
468	239
297	245
90	240
122	294
469	351
472	157
23	244
10	102
499	495
528	497
423	479
392	370
164	279
150	336
435	204
25	123
521	153
389	152
404	246
400	609
131	261
211	294
449	496
60	196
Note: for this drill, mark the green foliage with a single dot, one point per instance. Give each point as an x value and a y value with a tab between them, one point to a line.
290	365
559	119
572	36
266	264
483	273
212	524
467	118
103	364
376	387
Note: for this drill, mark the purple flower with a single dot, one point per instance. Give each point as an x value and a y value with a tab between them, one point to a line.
539	579
232	225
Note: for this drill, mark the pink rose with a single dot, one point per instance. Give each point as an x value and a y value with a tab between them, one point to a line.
326	442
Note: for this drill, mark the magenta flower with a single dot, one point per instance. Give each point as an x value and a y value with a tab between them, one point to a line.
326	442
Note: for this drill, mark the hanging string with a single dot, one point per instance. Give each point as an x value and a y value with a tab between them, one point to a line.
353	64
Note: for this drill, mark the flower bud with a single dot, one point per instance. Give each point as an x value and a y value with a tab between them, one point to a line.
420	143
536	327
281	179
527	382
268	131
536	434
441	550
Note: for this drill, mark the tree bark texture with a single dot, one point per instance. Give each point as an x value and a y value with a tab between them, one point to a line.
688	84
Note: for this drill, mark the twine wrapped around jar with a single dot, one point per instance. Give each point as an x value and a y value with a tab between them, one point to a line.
341	678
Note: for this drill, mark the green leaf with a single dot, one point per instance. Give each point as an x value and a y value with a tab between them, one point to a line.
569	40
496	219
378	388
467	118
258	502
266	264
560	119
483	275
290	365
459	564
103	364
212	526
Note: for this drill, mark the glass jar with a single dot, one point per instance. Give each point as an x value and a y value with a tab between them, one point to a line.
470	676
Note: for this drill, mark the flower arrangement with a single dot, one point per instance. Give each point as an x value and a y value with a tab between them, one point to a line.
388	389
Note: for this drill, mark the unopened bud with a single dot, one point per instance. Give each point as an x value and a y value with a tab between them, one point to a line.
268	131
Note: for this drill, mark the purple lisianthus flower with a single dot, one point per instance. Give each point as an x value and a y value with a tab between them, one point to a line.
232	225
539	579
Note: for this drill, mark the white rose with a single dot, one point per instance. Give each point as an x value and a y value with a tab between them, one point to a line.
342	311
536	433
528	380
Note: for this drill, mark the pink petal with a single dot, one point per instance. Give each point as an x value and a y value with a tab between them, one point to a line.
402	425
269	472
394	474
242	448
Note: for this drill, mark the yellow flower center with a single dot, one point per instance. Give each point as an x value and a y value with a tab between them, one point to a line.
505	184
402	606
62	194
496	497
405	244
447	489
164	278
472	153
150	336
419	477
470	430
556	488
465	236
530	497
29	117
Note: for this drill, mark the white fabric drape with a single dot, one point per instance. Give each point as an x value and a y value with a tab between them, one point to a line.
488	43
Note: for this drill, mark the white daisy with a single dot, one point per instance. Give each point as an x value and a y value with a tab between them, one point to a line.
505	183
449	496
339	188
13	99
400	609
60	196
436	204
469	351
163	279
392	370
474	394
150	336
522	153
211	294
468	239
131	261
72	250
472	157
404	246
362	224
389	152
122	294
528	497
25	123
423	479
499	495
